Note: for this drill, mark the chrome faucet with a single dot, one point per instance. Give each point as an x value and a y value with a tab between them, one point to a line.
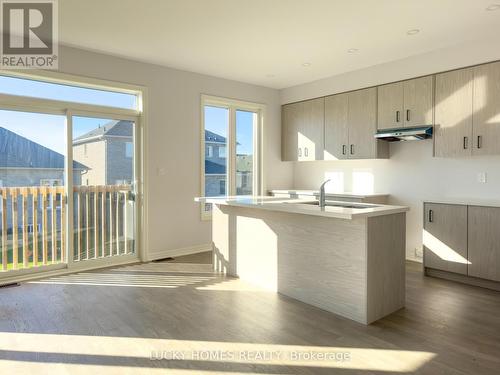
322	198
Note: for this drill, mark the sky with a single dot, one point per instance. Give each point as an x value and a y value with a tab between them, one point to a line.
48	130
217	121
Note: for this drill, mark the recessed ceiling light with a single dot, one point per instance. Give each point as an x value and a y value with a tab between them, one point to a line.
352	50
306	64
493	7
413	31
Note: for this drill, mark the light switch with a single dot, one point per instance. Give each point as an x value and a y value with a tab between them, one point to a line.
160	171
481	177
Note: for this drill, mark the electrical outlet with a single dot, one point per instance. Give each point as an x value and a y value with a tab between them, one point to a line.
419	253
481	177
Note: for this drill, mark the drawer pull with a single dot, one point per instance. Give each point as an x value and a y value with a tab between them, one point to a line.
431	216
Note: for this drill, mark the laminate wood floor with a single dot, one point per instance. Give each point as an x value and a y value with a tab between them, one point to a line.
178	317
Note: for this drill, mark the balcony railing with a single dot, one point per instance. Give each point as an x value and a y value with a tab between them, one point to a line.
33	224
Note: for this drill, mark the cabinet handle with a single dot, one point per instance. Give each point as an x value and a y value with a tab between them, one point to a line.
352	149
344	151
431	216
306	153
407	115
466	143
397	116
300	152
479	141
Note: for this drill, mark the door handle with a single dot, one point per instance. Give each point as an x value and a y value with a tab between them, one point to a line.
479	141
431	216
466	143
407	115
397	116
352	149
344	151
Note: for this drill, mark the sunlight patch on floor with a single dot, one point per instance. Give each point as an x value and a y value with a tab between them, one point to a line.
144	349
127	280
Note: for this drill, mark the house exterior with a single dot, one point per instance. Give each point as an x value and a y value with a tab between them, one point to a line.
25	163
215	167
215	164
109	153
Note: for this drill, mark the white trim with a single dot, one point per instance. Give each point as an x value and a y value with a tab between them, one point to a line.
179	252
233	105
67	109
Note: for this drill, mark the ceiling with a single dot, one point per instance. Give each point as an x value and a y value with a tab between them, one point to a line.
266	42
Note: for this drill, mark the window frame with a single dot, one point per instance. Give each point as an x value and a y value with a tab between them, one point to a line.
69	109
233	105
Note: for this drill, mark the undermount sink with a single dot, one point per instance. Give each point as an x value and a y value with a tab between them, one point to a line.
338	204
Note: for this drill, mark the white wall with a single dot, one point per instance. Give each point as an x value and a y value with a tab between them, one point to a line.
173	140
411	175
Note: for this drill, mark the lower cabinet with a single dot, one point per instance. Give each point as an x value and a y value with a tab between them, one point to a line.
445	237
484	242
462	239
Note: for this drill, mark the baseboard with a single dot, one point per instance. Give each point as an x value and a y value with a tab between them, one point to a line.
469	280
179	252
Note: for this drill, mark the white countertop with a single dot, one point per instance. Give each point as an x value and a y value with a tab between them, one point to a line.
329	194
466	202
299	206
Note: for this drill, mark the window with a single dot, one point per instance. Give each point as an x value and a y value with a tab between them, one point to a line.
51	182
129	149
222	152
233	128
54	142
48	90
209	152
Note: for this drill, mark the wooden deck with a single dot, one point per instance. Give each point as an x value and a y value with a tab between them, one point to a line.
115	320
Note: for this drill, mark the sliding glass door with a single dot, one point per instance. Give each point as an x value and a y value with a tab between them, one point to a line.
32	184
104	175
69	174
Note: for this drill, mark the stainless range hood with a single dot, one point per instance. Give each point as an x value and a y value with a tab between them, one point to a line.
405	134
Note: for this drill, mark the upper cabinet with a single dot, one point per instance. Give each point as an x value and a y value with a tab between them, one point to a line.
486	109
453	113
405	104
390	106
336	130
350	125
303	130
464	106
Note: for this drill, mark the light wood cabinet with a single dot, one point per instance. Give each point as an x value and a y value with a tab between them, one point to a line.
362	124
484	242
445	237
336	130
418	101
486	109
406	104
453	113
350	125
390	106
289	131
303	130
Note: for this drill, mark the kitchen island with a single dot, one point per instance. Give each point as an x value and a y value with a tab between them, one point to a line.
346	258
